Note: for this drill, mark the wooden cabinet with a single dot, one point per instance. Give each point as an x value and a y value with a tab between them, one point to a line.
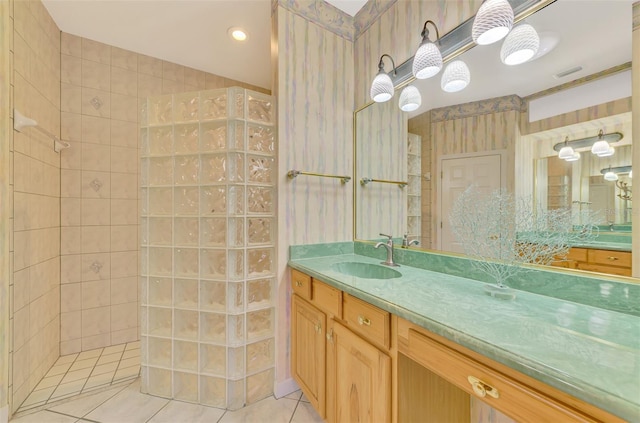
594	260
308	351
359	378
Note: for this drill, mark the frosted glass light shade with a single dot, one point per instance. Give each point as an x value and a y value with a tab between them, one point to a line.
610	152
610	176
456	77
575	157
492	22
565	152
410	99
600	147
520	45
427	61
631	174
381	88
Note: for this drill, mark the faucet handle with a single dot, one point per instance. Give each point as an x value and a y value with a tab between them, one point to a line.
388	236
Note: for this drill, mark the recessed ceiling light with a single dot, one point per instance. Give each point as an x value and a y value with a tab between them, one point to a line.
238	33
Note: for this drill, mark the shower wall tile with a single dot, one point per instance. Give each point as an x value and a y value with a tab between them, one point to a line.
34	187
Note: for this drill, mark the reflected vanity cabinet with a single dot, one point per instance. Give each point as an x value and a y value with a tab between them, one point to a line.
340	352
596	260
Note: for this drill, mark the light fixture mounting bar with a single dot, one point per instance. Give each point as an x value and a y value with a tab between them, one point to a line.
611	137
458	40
616	169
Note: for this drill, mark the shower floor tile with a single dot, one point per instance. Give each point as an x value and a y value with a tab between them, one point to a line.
74	374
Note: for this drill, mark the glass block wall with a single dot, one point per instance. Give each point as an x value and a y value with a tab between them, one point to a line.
208	254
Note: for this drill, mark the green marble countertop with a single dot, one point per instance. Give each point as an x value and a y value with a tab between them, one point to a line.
589	352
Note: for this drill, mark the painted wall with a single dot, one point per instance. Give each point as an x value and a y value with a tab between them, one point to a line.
36	199
315	92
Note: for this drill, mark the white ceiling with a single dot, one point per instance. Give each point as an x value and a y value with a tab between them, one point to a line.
194	33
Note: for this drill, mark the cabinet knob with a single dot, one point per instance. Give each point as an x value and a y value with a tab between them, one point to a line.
612	258
364	321
318	327
298	284
330	336
481	388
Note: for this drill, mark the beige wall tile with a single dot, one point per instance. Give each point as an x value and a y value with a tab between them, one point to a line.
70	268
70	212
124	59
71	70
20	327
96	184
124	316
95	157
70	128
124	107
96	341
124	212
95	294
124	264
96	130
21	211
70	347
195	78
21	289
149	86
96	267
70	45
70	238
70	297
95	51
124	160
172	71
70	183
95	212
70	98
96	102
124	134
124	81
149	65
22	56
124	290
124	185
96	239
125	335
170	86
124	237
96	321
96	75
70	325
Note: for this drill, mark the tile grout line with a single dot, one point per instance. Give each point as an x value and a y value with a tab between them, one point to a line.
112	396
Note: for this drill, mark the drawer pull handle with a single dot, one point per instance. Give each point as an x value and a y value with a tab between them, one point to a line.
612	258
364	321
482	389
298	284
318	327
330	336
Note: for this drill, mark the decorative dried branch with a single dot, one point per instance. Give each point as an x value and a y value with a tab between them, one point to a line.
502	233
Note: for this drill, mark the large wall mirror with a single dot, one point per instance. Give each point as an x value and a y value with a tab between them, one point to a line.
401	157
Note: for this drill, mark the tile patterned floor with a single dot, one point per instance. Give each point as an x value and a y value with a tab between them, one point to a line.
125	404
84	372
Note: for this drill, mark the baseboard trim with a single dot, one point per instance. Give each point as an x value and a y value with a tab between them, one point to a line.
284	388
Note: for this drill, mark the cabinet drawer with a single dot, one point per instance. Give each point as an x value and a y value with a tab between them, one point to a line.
327	298
610	270
301	284
367	320
577	254
610	258
518	401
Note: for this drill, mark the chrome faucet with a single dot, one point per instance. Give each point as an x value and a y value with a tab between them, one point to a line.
389	246
610	223
406	243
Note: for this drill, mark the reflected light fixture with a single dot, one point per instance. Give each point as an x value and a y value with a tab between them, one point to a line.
610	175
567	151
631	174
410	99
610	152
601	146
520	46
456	77
238	33
382	86
574	157
492	22
428	60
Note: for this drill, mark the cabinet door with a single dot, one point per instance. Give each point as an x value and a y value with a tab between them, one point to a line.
308	351
359	377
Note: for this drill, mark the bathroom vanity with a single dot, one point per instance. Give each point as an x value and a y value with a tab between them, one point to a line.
417	345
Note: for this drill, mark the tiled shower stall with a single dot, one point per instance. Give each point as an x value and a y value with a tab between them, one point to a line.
208	258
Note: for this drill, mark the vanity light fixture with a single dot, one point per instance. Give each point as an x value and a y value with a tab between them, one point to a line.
567	151
428	60
382	87
456	77
610	152
600	147
492	22
410	99
574	157
520	46
610	175
631	174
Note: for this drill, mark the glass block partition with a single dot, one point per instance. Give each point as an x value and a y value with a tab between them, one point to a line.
208	254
